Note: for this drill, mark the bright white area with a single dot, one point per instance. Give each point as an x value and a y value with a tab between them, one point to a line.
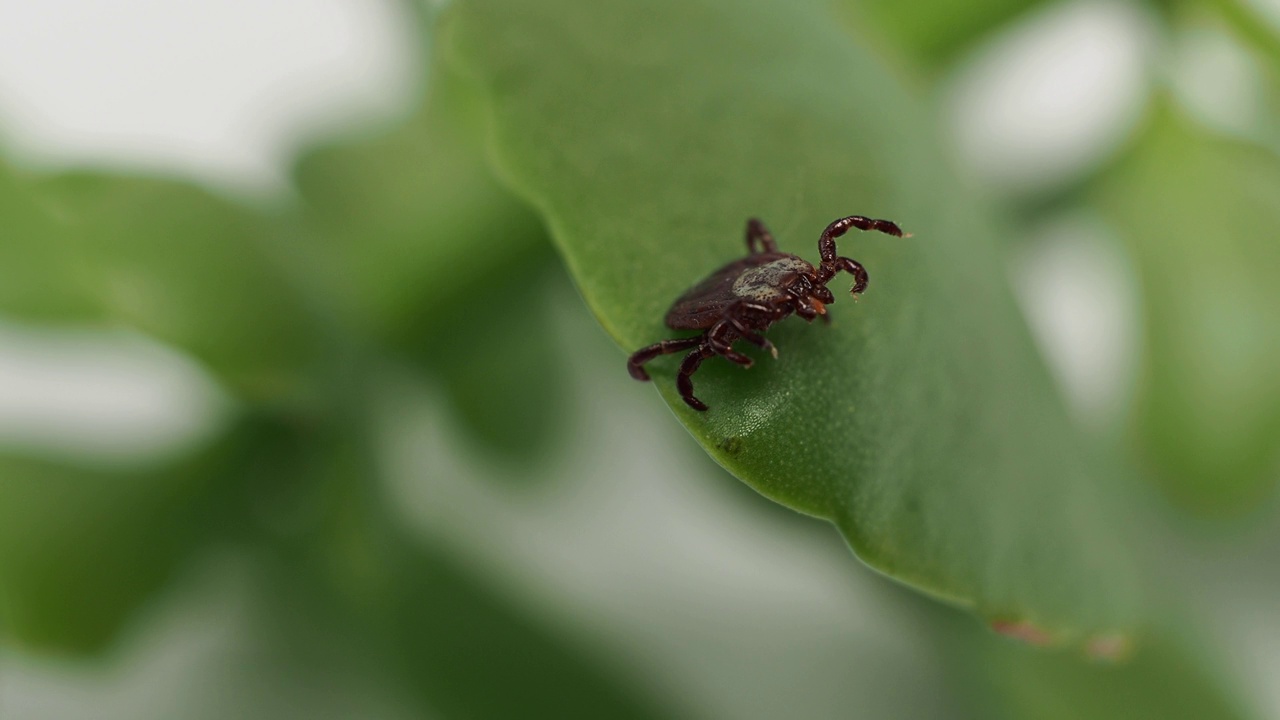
223	90
102	396
1053	95
1081	297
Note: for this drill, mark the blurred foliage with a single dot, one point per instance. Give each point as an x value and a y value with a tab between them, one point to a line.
930	32
220	292
81	550
436	260
641	137
1190	206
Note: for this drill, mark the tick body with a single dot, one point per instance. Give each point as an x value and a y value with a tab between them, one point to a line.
744	298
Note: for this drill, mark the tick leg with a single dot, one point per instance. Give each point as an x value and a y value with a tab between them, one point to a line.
687	368
753	337
831	263
859	273
635	364
758	236
827	243
720	338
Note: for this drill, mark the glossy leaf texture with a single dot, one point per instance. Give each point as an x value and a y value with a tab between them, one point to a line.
921	421
1200	219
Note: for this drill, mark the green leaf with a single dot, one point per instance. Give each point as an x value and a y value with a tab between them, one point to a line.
458	645
412	220
933	31
921	421
1200	217
443	265
501	373
170	259
39	277
81	550
457	639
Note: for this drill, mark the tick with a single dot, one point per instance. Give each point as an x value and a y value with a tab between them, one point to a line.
744	298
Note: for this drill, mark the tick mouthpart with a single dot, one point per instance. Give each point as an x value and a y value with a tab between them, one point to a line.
818	305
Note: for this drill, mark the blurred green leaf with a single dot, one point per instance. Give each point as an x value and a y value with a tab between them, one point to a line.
1200	216
39	274
172	260
81	549
443	265
932	31
452	644
461	647
921	422
412	220
1162	679
458	640
501	372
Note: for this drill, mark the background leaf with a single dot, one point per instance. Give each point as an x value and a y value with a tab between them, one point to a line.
82	550
1199	215
1160	677
933	32
436	260
174	261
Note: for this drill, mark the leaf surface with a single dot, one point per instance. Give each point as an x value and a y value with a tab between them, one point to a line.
921	421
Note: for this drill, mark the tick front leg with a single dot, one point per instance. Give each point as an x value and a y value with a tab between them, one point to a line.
759	239
859	273
720	338
635	364
827	243
754	337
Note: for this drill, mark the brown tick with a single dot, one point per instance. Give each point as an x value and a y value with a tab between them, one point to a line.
745	297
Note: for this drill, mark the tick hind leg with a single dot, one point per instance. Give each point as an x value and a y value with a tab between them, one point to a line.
684	383
759	239
635	363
